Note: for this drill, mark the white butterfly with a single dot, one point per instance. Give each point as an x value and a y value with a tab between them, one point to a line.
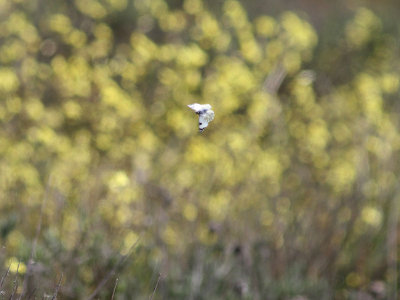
206	115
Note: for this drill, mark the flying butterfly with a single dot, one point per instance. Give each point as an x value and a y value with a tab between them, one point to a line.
206	115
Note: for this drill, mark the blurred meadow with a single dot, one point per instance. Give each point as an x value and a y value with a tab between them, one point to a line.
108	190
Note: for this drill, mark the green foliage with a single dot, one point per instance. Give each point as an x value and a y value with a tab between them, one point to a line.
290	191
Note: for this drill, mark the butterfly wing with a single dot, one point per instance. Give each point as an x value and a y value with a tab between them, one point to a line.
203	122
195	106
209	115
206	115
205	118
199	107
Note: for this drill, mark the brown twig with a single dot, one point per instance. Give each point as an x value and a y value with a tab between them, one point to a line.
15	284
392	241
115	287
155	288
120	262
4	276
28	273
32	294
57	288
274	80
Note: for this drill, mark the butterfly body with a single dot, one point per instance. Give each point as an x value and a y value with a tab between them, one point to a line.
206	115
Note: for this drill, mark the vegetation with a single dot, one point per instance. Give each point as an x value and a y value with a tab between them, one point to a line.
290	193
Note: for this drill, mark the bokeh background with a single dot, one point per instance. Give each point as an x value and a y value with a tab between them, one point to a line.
107	190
